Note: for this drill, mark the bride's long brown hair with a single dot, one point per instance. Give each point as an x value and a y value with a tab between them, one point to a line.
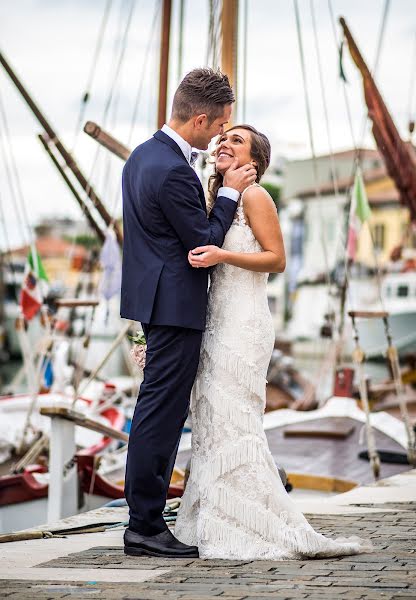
260	152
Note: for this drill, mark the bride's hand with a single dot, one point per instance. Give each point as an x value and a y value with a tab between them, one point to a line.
205	256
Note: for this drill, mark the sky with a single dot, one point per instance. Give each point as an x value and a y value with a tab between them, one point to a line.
50	44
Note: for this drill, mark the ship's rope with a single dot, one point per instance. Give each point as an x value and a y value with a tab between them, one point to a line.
332	352
213	51
181	18
145	67
7	249
114	77
13	179
359	357
145	64
311	140
411	108
97	51
244	66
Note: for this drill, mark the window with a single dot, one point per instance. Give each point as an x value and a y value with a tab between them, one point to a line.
402	291
378	236
388	291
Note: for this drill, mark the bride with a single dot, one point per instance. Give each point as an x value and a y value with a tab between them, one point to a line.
235	505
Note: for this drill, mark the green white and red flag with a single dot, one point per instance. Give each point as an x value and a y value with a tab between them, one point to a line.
35	285
360	212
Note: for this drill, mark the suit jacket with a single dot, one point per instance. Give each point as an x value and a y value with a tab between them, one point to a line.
165	216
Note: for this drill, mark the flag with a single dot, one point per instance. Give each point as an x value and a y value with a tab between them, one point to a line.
360	212
47	370
35	285
110	259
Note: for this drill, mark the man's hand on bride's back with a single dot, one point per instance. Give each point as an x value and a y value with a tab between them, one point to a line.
205	256
239	178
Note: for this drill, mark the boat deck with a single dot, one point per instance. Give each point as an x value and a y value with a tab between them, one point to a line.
93	565
326	456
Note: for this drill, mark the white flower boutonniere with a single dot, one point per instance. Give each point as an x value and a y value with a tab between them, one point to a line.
138	351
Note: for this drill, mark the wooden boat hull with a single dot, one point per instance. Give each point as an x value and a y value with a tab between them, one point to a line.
23	496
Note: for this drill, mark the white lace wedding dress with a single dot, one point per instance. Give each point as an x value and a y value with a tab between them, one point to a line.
235	505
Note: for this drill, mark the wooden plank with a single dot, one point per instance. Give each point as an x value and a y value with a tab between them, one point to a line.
335	428
107	140
368	314
83	421
76	302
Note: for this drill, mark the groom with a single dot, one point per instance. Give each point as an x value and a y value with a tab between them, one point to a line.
165	216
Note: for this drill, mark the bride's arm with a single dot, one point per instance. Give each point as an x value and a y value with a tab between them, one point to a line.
262	216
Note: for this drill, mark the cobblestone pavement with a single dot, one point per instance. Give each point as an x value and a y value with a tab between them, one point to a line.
388	573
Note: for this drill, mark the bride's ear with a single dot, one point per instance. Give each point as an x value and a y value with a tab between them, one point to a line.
253	162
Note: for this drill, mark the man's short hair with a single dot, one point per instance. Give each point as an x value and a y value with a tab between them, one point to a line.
202	91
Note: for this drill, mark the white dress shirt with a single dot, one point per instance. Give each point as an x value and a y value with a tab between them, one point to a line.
186	148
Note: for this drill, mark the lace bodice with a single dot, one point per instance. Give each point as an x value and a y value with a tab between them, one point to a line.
235	505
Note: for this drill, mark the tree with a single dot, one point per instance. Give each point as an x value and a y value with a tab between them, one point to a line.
274	191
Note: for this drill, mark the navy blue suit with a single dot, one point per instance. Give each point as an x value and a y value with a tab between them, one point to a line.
164	216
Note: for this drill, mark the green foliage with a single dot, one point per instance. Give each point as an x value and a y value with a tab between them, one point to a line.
274	191
86	240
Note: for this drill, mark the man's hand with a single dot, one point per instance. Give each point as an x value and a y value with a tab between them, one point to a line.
241	177
205	256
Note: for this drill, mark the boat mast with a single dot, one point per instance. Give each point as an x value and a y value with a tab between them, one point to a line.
164	62
229	41
69	160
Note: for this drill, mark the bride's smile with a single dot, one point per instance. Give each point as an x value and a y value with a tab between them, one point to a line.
235	143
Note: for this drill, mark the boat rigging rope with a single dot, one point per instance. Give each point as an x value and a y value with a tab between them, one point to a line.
318	196
145	64
114	81
90	79
36	373
400	393
359	357
214	34
411	108
340	241
7	249
150	39
244	78
181	18
13	179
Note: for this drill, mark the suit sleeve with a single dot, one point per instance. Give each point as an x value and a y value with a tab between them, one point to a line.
180	203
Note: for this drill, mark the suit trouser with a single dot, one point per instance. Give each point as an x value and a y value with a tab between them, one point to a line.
172	358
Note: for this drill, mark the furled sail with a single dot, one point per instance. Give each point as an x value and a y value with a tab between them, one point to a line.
399	156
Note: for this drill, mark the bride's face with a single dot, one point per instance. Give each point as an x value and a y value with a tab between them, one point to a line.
233	144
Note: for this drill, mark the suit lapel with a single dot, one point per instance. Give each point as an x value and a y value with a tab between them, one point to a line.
162	137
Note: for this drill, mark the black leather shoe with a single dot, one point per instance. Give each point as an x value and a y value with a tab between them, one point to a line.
162	544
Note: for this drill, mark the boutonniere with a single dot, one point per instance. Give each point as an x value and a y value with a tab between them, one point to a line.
138	350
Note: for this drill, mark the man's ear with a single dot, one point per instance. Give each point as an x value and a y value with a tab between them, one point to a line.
199	121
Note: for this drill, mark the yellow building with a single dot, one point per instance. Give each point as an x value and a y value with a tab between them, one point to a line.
388	223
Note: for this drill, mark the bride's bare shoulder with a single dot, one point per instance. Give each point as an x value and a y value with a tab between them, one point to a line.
256	197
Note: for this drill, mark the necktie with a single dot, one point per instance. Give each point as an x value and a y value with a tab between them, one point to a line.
194	157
